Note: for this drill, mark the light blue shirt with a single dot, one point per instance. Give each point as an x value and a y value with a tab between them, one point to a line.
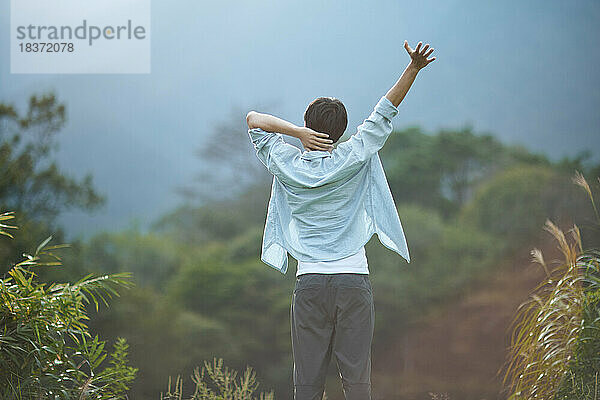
324	205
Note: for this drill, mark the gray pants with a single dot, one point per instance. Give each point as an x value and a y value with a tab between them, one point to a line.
332	314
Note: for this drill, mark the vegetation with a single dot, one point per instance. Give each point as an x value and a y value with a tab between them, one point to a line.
31	183
47	349
216	382
555	347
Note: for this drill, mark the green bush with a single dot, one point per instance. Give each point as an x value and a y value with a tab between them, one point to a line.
46	350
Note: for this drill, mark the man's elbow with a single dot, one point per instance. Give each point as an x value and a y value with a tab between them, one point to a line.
251	119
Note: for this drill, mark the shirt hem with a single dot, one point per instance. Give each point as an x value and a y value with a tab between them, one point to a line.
284	268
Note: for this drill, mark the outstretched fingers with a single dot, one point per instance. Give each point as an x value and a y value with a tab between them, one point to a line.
420	54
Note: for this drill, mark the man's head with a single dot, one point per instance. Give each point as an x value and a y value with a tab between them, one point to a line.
327	115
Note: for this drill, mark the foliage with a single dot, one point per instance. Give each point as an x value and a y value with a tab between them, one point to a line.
446	257
152	258
518	200
46	348
200	307
582	380
216	382
555	332
119	367
31	183
228	283
163	337
216	221
442	171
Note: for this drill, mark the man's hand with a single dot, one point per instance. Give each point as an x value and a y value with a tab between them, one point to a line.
419	56
418	61
313	140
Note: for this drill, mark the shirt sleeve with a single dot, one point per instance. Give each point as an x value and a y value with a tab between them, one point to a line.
273	151
373	132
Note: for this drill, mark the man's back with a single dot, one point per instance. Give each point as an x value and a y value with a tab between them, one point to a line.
322	217
325	206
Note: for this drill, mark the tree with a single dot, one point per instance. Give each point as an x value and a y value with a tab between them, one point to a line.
516	202
31	183
442	171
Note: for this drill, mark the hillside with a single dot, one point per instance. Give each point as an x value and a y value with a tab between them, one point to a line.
459	348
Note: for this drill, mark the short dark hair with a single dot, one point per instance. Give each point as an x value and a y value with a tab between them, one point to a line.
327	115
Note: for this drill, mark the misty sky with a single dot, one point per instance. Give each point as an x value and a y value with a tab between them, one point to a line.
524	71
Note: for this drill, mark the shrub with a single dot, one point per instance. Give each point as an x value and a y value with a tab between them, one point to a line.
46	350
216	382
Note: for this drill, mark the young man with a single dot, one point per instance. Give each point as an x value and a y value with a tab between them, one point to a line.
325	205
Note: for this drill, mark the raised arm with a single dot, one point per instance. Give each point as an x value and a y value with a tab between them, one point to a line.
311	140
372	134
418	61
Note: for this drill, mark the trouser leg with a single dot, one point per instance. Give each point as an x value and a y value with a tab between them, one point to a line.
312	330
354	324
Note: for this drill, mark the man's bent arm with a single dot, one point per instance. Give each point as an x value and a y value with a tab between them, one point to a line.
310	139
271	123
418	61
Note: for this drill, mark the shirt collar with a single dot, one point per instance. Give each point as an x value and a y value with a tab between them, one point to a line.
314	154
